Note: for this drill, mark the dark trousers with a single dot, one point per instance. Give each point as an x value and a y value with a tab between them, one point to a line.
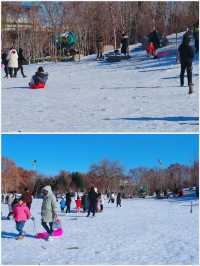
49	228
92	208
22	70
20	226
196	45
68	208
6	70
99	54
118	203
188	68
11	71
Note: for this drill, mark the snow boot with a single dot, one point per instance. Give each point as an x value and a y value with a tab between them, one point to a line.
190	89
20	237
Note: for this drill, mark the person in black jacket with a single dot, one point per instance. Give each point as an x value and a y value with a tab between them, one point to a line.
92	197
21	61
154	38
186	56
4	61
124	42
99	45
119	199
68	202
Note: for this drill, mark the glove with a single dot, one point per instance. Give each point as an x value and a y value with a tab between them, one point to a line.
33	218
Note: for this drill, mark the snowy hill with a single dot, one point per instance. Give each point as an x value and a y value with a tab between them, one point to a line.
140	94
143	231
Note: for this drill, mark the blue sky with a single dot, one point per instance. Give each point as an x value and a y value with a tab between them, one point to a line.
77	152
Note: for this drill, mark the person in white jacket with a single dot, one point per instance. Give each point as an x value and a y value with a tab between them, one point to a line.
12	58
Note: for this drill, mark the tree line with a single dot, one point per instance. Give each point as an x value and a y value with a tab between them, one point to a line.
33	27
106	175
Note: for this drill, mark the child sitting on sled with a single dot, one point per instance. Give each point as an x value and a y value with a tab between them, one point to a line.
21	214
39	80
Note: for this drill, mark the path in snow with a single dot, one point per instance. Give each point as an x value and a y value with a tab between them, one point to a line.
143	231
140	94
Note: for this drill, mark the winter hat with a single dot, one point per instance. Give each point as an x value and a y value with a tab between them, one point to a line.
48	189
40	69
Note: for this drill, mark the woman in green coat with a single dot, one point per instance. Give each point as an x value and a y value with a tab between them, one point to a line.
48	211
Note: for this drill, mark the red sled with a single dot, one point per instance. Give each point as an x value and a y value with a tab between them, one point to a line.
38	86
56	233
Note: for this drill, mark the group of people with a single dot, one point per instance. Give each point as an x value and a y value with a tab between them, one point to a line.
90	202
100	45
13	61
20	207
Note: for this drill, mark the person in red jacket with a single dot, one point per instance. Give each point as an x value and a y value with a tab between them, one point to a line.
21	214
78	204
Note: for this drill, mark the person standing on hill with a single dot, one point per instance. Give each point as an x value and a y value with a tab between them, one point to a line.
92	196
186	56
68	202
119	199
99	45
154	38
27	198
124	42
21	61
12	58
48	210
4	62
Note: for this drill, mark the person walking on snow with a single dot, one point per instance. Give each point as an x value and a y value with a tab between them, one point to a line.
119	199
48	210
11	198
27	197
21	214
68	202
62	204
12	58
186	56
78	204
21	61
155	40
4	61
92	197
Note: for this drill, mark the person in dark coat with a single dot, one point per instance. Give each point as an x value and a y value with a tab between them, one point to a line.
186	56
39	79
27	198
68	202
4	62
84	201
119	199
154	38
21	61
196	36
92	197
99	45
124	42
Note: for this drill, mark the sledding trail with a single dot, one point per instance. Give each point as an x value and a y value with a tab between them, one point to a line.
143	231
139	94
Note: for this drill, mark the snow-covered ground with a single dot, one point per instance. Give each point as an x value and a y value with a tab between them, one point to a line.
143	231
140	94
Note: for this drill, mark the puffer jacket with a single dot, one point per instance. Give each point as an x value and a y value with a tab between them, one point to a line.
21	212
12	58
49	206
40	77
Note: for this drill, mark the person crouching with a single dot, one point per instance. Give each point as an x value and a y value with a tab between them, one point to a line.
39	80
21	214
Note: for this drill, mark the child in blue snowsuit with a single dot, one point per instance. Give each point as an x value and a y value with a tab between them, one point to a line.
62	204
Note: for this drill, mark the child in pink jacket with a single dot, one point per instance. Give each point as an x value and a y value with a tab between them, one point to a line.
21	214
